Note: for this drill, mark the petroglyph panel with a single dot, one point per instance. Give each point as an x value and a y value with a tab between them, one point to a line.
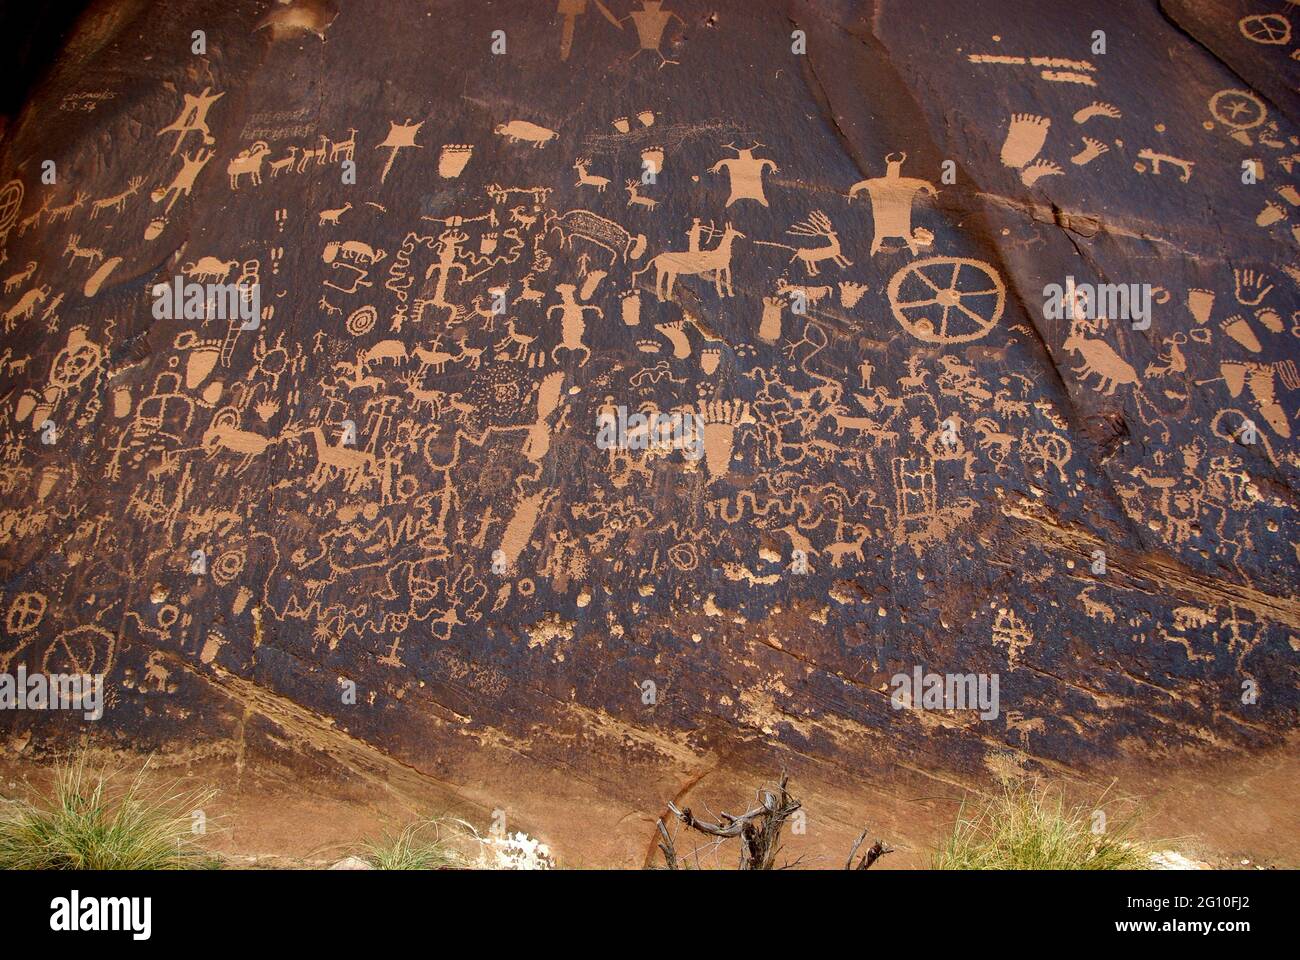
410	278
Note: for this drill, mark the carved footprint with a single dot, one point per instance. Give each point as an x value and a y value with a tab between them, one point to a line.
1093	149
1097	109
721	417
1037	170
675	334
1025	137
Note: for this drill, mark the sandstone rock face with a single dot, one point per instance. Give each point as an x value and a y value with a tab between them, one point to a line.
636	392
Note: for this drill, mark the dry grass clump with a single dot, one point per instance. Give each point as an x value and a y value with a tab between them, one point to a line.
103	821
1030	827
436	843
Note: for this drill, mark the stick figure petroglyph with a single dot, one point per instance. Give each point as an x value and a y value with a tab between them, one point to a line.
183	182
192	119
78	252
650	21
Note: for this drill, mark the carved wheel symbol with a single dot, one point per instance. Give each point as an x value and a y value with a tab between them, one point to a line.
87	650
947	299
1239	109
1270	28
25	613
73	364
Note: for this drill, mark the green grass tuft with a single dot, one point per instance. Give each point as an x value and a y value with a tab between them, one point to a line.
437	843
1030	827
91	823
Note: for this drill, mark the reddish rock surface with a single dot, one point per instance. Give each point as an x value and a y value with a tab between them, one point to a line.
371	542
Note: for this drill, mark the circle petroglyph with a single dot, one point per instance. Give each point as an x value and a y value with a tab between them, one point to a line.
947	299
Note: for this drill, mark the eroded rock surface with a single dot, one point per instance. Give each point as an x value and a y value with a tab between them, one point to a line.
375	524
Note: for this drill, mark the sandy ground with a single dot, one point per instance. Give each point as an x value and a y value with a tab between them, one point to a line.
1239	813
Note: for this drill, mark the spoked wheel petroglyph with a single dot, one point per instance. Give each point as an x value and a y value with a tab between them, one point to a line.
1238	109
947	299
83	650
1268	28
25	613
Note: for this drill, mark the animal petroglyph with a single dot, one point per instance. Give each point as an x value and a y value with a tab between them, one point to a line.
817	226
521	131
717	260
1099	360
848	433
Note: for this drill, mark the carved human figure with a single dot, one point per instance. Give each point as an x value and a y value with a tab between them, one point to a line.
892	197
193	119
746	172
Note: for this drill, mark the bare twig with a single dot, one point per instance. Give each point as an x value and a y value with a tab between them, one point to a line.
759	829
874	853
667	846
